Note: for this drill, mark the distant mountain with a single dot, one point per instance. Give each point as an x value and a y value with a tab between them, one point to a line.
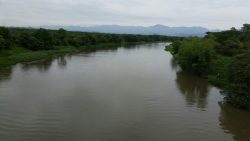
156	29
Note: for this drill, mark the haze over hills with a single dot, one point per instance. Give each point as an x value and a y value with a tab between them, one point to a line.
150	30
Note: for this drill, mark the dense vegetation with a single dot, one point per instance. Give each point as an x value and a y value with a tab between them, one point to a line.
23	44
222	57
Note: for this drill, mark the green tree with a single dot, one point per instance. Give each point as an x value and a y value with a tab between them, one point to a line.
245	28
175	47
74	40
28	41
84	40
229	47
5	38
195	55
44	38
3	44
61	37
239	78
5	33
233	29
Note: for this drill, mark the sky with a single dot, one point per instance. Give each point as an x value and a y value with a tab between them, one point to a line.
212	14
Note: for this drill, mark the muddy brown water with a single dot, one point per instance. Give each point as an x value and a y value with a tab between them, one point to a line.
135	93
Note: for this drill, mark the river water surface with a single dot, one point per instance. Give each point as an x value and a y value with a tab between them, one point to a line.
134	93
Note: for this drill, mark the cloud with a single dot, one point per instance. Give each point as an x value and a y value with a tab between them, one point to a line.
211	14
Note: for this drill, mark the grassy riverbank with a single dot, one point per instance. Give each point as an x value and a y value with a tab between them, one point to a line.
26	44
21	55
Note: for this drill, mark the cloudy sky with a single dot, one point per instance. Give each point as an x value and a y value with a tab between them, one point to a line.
213	14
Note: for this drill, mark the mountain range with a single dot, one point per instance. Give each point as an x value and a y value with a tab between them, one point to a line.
150	30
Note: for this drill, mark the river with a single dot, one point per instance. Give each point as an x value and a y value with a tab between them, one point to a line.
135	93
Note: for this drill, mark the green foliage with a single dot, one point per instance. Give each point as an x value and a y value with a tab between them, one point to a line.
232	42
29	56
5	38
229	47
218	74
224	57
3	43
60	37
38	40
44	39
195	55
18	55
229	72
28	41
5	33
245	28
239	78
174	47
26	44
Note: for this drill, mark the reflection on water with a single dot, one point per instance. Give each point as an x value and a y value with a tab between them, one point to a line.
62	62
41	66
235	121
174	64
135	93
5	73
194	88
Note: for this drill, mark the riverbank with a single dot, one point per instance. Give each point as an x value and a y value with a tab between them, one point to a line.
21	55
217	75
223	58
19	45
119	85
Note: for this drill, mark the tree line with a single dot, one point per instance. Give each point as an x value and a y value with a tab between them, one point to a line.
43	39
222	57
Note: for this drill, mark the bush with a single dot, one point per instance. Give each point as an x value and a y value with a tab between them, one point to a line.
4	38
229	47
3	43
44	38
195	55
28	41
238	92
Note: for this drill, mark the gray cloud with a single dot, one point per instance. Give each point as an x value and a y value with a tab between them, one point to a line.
212	14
